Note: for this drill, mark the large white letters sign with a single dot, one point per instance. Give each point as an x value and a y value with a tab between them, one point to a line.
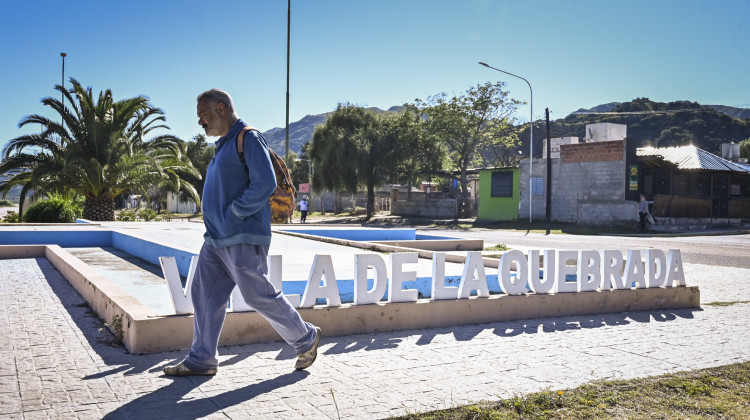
540	272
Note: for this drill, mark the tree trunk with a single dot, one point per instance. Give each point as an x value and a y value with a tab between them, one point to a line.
99	209
467	210
370	200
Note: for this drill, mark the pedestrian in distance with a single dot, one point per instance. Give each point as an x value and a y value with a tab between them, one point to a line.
237	216
303	209
643	212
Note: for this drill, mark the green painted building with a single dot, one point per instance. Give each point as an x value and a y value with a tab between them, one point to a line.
499	193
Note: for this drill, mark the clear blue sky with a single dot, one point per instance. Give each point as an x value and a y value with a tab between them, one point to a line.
374	53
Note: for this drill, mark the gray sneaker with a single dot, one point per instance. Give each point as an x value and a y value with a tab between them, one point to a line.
306	359
181	370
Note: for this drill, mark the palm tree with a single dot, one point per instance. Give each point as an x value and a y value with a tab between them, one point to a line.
98	151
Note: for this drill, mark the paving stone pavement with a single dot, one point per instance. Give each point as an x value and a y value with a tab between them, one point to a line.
60	361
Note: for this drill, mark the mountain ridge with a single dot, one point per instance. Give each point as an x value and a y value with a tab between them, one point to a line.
301	131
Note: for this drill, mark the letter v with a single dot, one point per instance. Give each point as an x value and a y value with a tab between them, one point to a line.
182	299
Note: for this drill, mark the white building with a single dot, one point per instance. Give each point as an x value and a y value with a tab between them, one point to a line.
605	132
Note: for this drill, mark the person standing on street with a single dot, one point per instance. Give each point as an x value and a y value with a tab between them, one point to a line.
237	216
303	209
643	212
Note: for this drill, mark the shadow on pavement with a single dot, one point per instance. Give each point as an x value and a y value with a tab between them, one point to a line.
167	402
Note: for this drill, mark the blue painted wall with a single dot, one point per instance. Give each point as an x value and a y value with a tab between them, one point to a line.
66	239
151	251
364	235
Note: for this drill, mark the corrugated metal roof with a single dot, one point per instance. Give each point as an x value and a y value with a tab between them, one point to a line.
691	157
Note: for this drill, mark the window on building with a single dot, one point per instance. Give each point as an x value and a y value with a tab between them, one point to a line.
700	185
648	183
502	184
537	186
680	182
662	182
743	184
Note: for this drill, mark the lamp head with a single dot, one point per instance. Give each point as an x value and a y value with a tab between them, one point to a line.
63	55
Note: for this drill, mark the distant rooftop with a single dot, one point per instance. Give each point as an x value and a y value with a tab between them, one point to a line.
691	157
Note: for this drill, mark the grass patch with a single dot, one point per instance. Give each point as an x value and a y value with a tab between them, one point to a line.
726	303
715	393
489	251
498	247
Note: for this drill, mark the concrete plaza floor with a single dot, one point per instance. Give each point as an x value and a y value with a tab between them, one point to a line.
61	361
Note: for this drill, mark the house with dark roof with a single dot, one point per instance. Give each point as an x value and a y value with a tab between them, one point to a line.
690	182
599	182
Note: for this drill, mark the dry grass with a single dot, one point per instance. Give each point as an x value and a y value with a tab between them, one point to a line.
716	393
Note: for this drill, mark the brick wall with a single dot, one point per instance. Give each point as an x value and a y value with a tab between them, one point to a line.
588	186
593	152
438	209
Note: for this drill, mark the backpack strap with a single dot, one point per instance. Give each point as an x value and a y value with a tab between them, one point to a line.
279	166
241	141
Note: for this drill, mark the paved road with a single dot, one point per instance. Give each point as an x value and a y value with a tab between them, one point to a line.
60	361
707	247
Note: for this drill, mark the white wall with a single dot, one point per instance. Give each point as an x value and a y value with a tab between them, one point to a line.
605	132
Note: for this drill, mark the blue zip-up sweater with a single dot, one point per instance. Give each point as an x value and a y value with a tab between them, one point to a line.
235	199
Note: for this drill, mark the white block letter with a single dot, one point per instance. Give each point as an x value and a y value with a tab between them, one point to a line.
611	266
362	262
474	264
514	285
656	264
439	290
674	269
589	271
547	282
398	276
322	270
182	299
634	270
564	270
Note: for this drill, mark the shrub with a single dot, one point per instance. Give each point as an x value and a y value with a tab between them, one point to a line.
147	214
53	210
6	203
11	217
126	216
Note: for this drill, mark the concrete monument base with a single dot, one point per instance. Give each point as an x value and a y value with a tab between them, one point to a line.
143	331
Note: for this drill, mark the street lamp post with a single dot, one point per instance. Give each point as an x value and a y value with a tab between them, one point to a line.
62	94
531	128
288	32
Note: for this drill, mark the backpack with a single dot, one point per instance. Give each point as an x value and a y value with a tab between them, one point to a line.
283	199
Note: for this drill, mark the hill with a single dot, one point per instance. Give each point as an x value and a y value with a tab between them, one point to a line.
300	132
657	123
741	113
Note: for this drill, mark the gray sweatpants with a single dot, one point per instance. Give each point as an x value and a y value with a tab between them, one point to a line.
243	265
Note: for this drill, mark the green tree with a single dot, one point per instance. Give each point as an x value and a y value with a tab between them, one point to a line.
674	136
469	123
745	148
300	166
97	151
352	149
420	155
200	153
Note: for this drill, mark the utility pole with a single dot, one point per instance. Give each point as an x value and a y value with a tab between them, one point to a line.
548	207
288	31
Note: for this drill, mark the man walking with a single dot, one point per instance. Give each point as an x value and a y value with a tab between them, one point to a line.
237	216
